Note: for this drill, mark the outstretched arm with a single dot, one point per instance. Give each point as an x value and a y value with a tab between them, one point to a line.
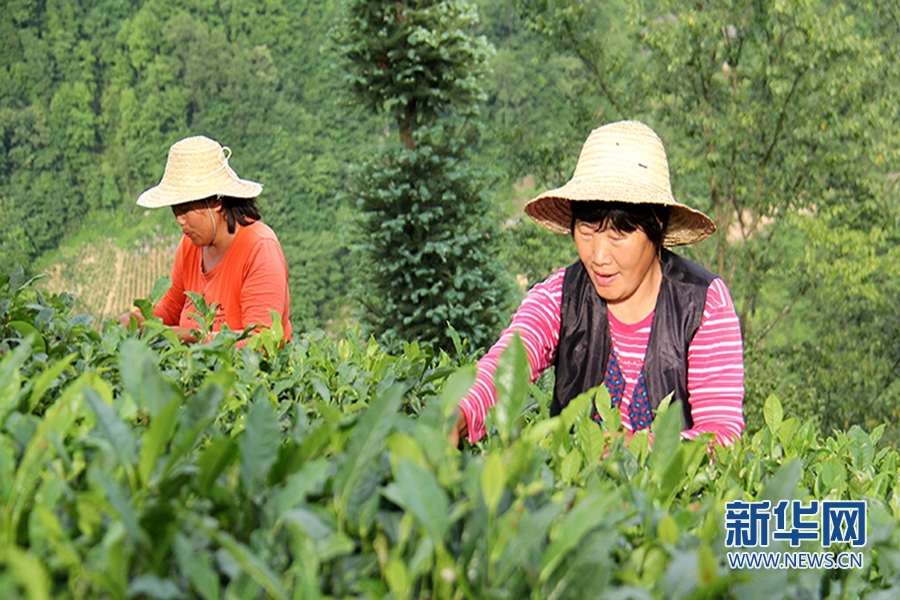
537	323
716	370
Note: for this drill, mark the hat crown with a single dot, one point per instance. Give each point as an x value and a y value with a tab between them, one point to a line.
624	161
196	168
621	162
193	159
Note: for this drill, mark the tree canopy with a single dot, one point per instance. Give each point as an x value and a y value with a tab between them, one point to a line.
428	263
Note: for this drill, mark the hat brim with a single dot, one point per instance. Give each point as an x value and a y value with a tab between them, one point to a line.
552	211
168	195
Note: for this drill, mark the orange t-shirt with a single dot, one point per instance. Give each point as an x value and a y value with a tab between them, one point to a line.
251	279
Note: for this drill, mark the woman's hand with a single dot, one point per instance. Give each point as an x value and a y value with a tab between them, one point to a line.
610	437
125	318
185	334
460	430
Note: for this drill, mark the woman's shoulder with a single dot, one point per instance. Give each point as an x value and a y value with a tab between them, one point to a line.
552	285
718	296
681	269
255	233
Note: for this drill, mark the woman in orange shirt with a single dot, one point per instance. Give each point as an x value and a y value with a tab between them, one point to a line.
227	255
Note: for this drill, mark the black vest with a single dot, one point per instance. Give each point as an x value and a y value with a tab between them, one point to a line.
585	341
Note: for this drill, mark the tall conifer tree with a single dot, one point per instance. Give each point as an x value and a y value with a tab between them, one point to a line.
427	245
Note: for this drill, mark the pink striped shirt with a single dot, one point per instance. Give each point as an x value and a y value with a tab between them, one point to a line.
715	359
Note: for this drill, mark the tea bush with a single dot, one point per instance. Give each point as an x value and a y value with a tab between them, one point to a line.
134	466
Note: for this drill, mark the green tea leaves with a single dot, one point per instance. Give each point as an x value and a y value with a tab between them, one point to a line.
259	444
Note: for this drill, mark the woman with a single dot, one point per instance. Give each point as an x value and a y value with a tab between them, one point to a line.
227	255
628	313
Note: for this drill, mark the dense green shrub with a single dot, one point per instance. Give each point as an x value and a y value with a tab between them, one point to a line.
133	466
427	248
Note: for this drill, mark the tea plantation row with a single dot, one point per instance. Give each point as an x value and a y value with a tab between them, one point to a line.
132	466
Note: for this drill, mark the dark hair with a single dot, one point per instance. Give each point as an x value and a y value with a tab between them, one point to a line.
241	210
652	219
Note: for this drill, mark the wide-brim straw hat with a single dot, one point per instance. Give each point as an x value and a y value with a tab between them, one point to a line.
621	162
197	168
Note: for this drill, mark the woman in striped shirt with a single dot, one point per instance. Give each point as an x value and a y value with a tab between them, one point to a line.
628	313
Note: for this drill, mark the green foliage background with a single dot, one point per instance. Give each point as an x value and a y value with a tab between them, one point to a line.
94	93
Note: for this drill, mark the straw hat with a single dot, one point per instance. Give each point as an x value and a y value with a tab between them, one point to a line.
621	162
197	168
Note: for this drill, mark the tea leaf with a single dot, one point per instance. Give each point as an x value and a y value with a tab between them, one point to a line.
109	427
277	328
160	287
16	279
121	505
214	459
590	438
707	564
667	530
639	446
533	526
877	433
259	444
493	481
397	577
28	572
157	438
247	560
773	413
11	379
145	307
43	381
666	428
202	407
570	466
586	573
417	491
141	378
57	421
30	334
669	474
151	586
7	468
511	380
366	443
782	485
456	387
328	542
787	433
199	303
402	445
861	449
833	475
610	418
590	512
305	481
577	407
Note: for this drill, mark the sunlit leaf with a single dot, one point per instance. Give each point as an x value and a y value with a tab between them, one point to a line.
259	444
417	491
773	413
493	481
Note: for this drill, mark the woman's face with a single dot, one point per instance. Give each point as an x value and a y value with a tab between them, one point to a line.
196	220
622	266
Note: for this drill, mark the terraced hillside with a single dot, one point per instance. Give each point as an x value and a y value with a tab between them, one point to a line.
106	278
